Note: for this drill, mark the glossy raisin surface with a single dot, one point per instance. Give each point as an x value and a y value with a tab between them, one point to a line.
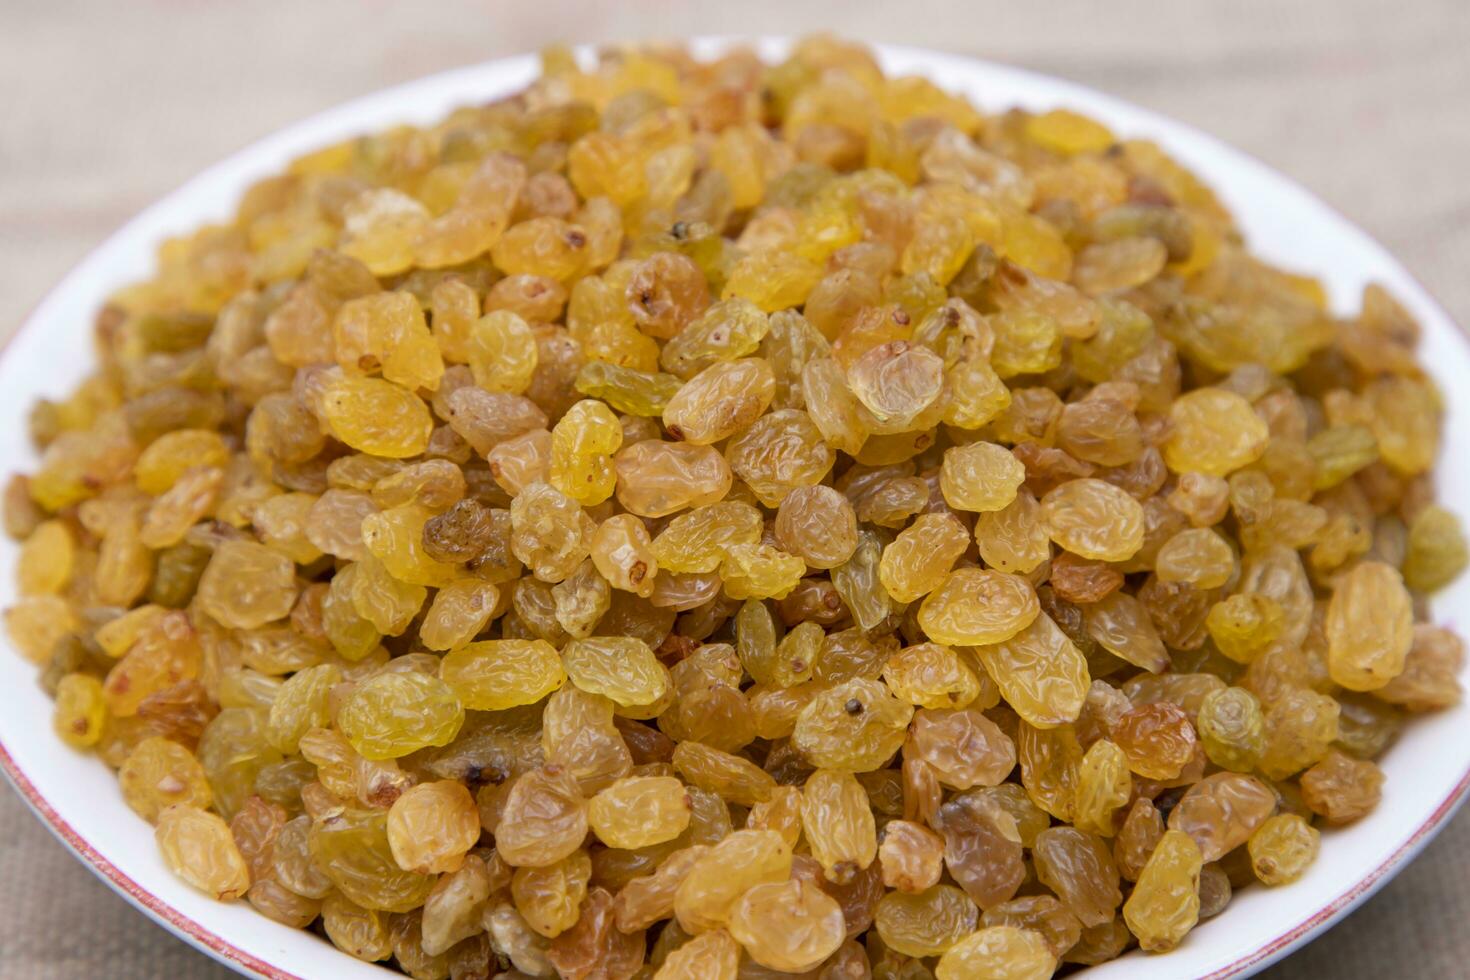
720	519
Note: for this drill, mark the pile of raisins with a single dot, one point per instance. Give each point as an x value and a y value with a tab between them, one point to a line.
717	519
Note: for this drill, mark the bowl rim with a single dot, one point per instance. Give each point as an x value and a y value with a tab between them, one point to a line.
312	131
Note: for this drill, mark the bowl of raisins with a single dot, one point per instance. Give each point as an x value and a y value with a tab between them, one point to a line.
786	509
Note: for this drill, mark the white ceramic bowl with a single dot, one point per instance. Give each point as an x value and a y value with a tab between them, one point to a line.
1428	769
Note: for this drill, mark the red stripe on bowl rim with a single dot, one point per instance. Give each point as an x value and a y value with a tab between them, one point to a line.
135	893
1360	892
225	950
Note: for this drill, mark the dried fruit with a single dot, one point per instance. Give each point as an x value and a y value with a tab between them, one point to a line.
393	714
593	946
454	909
1342	789
982	848
582	444
920	558
790	926
1231	728
837	820
544	819
621	668
432	826
247	585
1079	867
964	748
158	774
731	776
498	513
197	846
931	676
1282	848
656	478
1430	678
1001	952
1014	539
720	401
708	956
623	554
1370	627
927	923
1221	812
80	710
709	894
1436	551
550	896
493	675
912	856
974	606
980	476
1044	915
1214	432
1094	519
1157	738
639	811
1040	672
818	525
1103	788
377	417
1164	905
856	726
